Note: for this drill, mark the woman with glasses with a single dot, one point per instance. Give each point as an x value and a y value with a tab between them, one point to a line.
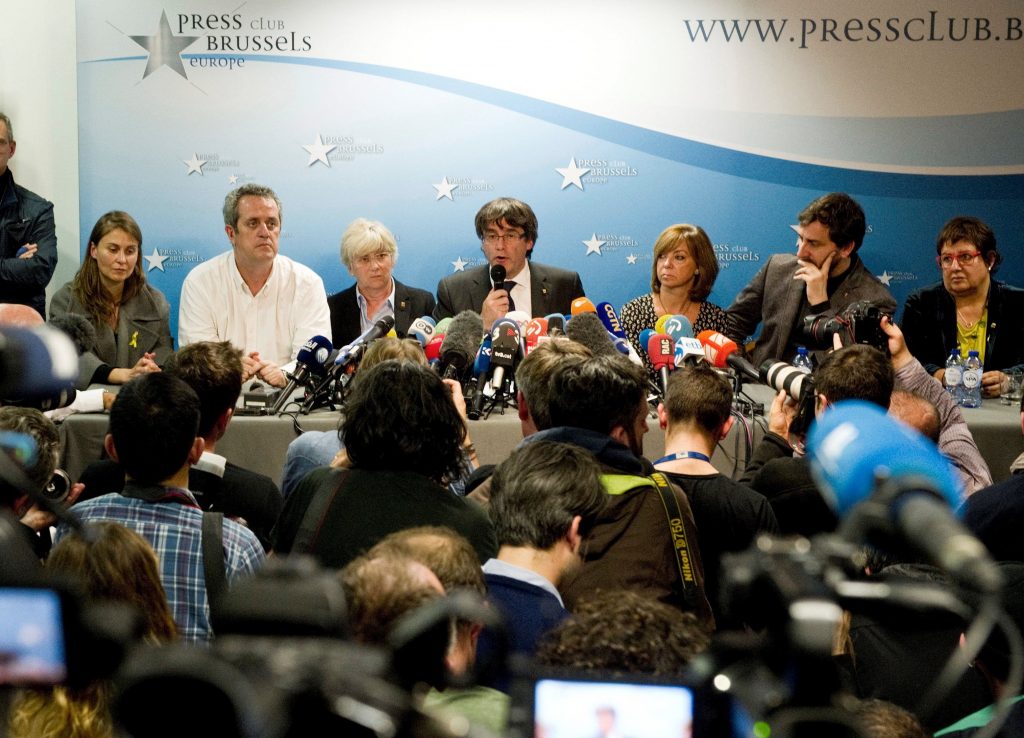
682	275
968	308
369	252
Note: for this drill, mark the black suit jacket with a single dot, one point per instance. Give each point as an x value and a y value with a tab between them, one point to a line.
240	493
552	290
410	303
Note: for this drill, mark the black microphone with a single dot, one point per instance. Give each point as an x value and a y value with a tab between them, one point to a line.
51	402
310	360
498	276
352	352
505	338
460	344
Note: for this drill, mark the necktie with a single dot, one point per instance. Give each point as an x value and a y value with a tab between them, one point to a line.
511	303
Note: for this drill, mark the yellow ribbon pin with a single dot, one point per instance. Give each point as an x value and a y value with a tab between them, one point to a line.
134	342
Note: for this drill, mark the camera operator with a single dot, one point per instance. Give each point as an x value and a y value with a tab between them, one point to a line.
852	372
34	519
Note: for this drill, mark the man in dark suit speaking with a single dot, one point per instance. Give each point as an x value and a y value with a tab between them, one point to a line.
507	229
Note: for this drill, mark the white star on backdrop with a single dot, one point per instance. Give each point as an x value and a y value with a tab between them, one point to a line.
571	174
232	179
885	278
444	189
318	151
164	48
459	264
195	164
156	260
594	245
631	259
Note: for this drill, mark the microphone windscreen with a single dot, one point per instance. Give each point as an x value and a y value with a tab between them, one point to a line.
717	347
483	357
645	336
462	339
678	326
659	324
587	328
610	318
582	305
36	363
854	443
314	354
78	328
422	329
442	326
519	316
433	347
661	351
556	323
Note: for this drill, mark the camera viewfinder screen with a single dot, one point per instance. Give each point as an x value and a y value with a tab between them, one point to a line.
578	709
31	637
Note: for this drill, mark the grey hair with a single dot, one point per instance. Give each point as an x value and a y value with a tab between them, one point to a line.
247	190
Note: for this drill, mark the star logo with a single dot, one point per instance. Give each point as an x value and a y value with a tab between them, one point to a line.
571	175
155	260
885	278
444	189
233	179
164	48
459	265
631	259
594	245
195	164
318	151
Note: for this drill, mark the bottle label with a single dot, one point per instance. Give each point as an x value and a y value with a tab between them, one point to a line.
954	376
972	378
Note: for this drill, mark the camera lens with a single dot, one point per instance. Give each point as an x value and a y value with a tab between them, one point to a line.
59	487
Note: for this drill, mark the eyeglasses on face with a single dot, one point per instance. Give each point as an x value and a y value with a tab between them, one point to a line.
510	237
964	258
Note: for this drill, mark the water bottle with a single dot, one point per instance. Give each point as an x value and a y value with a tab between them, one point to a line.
972	380
954	377
802	361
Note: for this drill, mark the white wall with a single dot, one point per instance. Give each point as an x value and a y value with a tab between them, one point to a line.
38	91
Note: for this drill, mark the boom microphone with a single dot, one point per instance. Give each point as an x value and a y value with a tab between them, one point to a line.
461	342
887	480
78	328
587	328
722	351
310	361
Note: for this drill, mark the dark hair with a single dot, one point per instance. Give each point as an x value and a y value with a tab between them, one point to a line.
701	251
87	286
379	590
400	416
533	375
446	553
515	213
701	395
972	230
538	490
599	394
41	429
154	422
857	372
252	189
625	632
214	370
841	214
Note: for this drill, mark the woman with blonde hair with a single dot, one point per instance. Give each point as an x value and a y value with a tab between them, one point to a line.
115	564
131	317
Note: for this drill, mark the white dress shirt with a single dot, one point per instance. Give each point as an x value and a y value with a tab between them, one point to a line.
291	308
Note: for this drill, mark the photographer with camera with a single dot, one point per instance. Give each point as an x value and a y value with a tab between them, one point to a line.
853	372
42	471
822	278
